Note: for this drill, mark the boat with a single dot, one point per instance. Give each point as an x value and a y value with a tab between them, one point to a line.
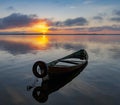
41	92
62	66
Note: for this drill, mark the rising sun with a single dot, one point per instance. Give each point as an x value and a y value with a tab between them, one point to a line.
42	27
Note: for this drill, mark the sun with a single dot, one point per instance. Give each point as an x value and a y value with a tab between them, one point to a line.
42	27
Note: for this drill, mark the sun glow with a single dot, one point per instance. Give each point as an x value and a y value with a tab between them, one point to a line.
41	26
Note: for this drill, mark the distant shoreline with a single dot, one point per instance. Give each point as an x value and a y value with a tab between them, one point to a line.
51	34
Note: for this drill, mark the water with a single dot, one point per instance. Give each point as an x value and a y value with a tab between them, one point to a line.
97	84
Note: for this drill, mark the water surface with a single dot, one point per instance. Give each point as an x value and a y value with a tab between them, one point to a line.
97	84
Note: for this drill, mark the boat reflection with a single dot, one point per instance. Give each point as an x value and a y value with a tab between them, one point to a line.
41	93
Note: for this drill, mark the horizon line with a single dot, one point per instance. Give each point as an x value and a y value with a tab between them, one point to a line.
20	33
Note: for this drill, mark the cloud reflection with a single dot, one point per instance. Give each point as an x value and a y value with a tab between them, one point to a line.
23	45
15	48
115	52
28	44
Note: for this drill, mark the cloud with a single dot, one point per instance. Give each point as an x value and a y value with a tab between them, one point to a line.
10	8
99	18
113	27
116	19
89	29
116	12
16	20
73	7
80	21
88	2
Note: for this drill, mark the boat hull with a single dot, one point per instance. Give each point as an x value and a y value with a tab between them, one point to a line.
57	72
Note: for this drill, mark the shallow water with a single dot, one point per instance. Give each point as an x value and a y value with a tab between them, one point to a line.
97	84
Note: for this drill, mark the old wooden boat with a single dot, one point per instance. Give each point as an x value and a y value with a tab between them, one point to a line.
41	92
61	67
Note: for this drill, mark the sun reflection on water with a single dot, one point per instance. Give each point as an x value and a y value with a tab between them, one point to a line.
35	42
41	41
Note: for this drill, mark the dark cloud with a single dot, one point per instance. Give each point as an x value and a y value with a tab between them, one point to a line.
20	20
99	18
76	22
58	23
80	21
94	29
91	29
79	29
114	27
10	8
116	19
68	28
16	20
102	14
116	12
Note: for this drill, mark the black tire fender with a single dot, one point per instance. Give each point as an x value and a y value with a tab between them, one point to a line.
43	69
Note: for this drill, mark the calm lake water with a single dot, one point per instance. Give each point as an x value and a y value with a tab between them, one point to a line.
97	84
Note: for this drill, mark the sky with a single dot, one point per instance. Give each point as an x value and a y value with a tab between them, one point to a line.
60	16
